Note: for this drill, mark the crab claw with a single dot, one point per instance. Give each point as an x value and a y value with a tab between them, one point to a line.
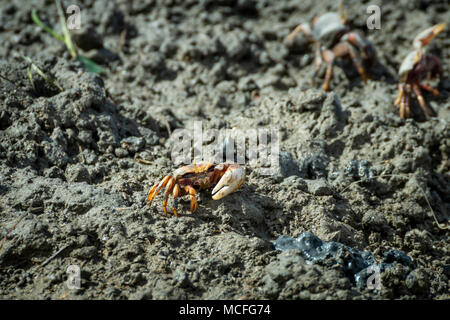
233	178
424	38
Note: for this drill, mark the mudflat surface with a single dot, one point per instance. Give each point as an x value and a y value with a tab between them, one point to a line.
73	190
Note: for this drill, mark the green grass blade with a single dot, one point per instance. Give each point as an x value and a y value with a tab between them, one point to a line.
67	38
30	77
87	63
33	67
90	65
38	21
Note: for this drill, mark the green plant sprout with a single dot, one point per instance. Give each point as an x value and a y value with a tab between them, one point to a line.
32	67
90	65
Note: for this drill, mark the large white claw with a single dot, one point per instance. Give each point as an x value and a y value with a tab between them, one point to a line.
233	178
424	37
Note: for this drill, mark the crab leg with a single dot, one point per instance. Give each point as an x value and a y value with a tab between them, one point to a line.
303	27
421	100
232	179
404	102
328	56
356	59
429	88
317	61
168	191
340	50
399	96
401	110
176	194
150	194
355	39
407	103
191	191
157	187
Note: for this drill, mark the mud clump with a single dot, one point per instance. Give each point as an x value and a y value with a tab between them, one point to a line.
357	265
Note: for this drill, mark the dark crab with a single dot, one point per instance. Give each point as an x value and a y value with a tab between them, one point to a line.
332	39
417	66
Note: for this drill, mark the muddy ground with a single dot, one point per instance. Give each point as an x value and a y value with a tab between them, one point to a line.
73	188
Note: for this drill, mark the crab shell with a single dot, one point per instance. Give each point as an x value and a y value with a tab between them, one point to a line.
224	177
408	64
328	28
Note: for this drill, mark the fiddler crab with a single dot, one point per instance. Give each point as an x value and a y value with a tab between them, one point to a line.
415	67
224	178
332	39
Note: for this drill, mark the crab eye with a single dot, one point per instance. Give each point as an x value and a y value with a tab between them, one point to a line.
211	169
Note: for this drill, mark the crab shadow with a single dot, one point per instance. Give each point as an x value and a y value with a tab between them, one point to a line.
417	112
245	212
378	72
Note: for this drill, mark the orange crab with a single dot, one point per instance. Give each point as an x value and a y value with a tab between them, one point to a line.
415	67
224	178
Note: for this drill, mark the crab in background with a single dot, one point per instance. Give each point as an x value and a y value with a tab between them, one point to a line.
332	39
417	66
224	178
